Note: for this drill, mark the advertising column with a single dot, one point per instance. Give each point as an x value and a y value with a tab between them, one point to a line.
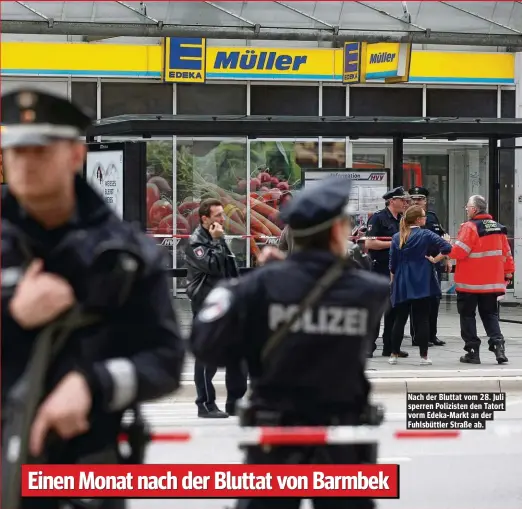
518	180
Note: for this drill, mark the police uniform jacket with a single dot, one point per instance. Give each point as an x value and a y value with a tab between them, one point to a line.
318	368
382	224
415	276
208	261
134	353
433	224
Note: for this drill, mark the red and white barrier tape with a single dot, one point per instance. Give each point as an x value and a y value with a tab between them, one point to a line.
267	238
320	435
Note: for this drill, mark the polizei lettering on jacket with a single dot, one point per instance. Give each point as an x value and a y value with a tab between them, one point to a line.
258	60
328	320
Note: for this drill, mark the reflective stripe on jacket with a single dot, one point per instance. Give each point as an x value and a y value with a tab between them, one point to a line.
483	256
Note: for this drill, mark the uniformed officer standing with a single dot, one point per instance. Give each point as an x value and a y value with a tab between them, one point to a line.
54	227
314	373
419	196
385	223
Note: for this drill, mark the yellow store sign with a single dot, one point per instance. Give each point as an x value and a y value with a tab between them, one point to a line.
194	61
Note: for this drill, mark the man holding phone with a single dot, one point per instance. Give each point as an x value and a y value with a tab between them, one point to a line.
210	260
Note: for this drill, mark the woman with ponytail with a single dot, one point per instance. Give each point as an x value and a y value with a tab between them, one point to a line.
414	279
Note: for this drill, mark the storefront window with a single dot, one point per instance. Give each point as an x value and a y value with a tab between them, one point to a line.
205	99
275	172
334	101
431	172
441	102
211	169
386	101
284	100
84	93
136	99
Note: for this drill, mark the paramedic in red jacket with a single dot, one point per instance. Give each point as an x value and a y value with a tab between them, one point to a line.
484	264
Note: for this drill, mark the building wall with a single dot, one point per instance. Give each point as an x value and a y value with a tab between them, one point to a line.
115	79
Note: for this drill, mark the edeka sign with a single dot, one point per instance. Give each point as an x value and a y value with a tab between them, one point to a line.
351	62
388	61
185	59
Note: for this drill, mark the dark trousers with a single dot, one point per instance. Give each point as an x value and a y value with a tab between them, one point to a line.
236	377
235	381
325	455
389	319
487	304
418	310
433	319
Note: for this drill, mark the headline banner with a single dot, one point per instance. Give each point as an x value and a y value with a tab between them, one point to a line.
210	481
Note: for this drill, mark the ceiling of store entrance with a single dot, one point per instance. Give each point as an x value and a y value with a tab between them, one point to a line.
488	19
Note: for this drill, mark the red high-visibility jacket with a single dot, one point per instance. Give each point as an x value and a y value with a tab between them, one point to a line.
483	256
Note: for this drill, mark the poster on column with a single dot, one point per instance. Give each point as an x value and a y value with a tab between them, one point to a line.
368	187
104	172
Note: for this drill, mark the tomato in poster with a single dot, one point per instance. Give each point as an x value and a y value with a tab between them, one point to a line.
159	210
153	195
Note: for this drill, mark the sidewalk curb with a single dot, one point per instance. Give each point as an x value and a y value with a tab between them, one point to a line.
398	386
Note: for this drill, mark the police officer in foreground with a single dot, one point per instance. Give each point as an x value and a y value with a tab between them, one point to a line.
385	223
63	249
307	369
419	196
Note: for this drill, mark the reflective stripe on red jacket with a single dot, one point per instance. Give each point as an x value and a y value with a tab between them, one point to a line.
483	256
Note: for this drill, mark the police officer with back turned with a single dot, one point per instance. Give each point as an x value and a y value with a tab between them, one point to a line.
419	196
385	223
303	324
65	254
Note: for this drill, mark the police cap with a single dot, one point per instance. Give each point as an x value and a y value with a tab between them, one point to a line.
398	192
315	208
419	192
32	117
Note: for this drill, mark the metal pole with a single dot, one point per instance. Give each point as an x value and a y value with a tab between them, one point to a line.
494	179
53	27
398	161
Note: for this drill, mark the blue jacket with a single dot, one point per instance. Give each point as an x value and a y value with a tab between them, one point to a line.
415	277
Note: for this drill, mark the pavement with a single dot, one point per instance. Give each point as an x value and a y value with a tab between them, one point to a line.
446	373
480	470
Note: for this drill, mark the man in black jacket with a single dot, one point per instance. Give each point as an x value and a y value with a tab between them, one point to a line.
209	260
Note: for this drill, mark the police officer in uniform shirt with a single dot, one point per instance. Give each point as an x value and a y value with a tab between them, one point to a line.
54	229
419	196
385	223
315	374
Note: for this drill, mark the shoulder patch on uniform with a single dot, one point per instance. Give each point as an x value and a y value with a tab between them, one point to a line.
199	252
216	305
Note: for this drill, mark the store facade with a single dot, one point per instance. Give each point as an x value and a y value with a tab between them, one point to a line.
125	79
